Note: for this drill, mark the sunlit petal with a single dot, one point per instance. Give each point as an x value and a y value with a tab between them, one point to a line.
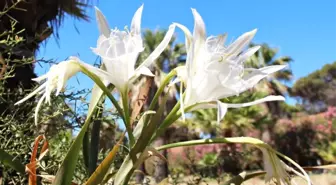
103	26
136	21
237	46
160	48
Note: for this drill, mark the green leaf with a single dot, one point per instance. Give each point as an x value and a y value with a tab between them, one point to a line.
96	97
10	161
239	179
94	144
86	150
98	176
65	172
126	170
138	128
241	140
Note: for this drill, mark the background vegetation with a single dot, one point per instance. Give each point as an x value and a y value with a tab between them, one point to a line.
305	131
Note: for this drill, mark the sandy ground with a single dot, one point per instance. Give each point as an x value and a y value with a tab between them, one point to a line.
323	179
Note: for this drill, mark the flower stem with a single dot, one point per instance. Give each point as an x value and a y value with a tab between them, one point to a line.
161	88
173	115
127	119
101	85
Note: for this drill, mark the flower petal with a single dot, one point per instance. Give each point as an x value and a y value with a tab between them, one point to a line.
60	82
145	71
243	57
160	48
199	27
221	110
40	78
136	21
262	100
257	74
31	94
237	46
38	106
187	33
198	53
181	73
103	26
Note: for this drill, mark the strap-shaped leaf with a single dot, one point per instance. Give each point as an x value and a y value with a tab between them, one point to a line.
9	160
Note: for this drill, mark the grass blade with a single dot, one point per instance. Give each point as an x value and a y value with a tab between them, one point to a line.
10	161
98	176
66	171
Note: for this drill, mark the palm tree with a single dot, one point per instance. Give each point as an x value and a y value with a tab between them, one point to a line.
24	25
168	60
273	85
35	20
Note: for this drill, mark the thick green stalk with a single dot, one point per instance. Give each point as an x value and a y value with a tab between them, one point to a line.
171	118
127	119
101	85
165	82
157	94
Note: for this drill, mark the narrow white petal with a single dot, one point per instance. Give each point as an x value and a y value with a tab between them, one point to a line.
181	73
272	69
187	33
238	45
257	74
243	57
40	78
38	106
60	82
160	48
136	21
221	110
145	71
198	48
103	26
199	26
262	100
31	94
204	105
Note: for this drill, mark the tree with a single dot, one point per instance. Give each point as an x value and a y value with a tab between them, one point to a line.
24	25
275	83
317	90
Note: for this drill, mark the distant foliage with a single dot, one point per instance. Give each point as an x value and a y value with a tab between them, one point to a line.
317	90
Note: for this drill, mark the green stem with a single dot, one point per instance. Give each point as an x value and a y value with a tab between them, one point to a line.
231	140
165	82
127	118
152	105
155	99
101	85
171	118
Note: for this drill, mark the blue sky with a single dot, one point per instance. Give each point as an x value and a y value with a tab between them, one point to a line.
302	29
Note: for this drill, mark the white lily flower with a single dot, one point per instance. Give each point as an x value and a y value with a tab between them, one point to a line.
56	79
119	51
214	71
275	168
